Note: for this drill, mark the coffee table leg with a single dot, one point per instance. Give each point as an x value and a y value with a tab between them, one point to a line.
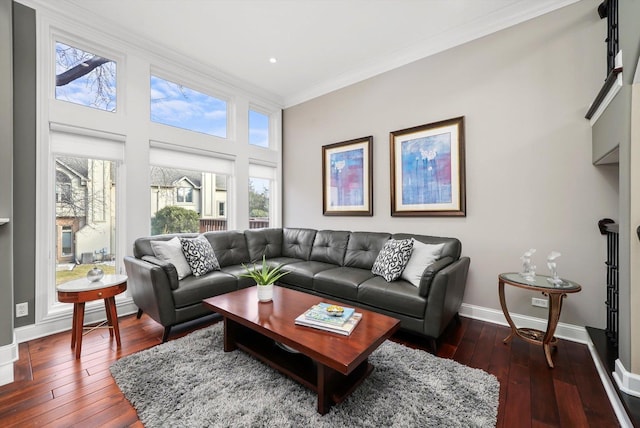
230	331
325	387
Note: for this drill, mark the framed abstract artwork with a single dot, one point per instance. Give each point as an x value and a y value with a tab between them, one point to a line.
347	180
427	170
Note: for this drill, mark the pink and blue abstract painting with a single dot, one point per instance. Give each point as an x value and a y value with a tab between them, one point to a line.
347	178
426	170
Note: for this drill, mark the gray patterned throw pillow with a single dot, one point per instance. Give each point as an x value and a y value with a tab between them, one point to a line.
392	259
199	255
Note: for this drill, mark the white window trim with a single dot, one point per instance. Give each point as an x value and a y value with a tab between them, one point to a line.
66	144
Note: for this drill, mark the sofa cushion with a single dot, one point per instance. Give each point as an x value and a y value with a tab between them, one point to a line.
193	289
301	273
297	243
171	251
329	246
142	246
263	242
363	248
229	246
341	282
398	296
422	256
237	270
392	259
452	246
199	255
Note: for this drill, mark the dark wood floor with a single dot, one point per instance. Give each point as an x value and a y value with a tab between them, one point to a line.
54	389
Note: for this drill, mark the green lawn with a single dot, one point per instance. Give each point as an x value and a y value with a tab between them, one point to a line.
80	271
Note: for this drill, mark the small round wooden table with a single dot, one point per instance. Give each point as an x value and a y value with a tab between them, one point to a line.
82	290
555	292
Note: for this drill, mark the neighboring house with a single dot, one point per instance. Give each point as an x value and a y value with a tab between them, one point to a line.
202	192
85	197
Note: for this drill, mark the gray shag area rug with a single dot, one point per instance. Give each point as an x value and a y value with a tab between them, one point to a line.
192	382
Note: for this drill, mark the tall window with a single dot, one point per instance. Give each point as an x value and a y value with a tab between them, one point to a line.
259	205
258	129
177	105
86	217
186	200
85	78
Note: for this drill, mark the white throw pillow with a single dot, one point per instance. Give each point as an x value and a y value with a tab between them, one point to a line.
171	251
422	256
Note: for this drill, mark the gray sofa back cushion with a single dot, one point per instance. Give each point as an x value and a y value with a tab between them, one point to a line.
261	242
142	246
230	247
330	246
363	248
297	242
452	246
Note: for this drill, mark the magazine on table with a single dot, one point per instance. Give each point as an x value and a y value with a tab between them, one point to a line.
344	329
319	313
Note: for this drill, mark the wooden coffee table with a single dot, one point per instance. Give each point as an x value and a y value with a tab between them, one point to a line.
327	363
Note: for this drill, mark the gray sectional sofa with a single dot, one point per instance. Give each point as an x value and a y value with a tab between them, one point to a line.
333	264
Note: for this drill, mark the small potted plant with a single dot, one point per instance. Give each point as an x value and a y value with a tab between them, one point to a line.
264	276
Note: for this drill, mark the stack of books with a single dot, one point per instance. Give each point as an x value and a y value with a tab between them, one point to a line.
318	317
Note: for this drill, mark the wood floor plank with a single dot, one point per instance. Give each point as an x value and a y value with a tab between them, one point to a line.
517	410
56	389
569	405
542	411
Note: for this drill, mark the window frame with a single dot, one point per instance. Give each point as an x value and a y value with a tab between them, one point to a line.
62	36
186	80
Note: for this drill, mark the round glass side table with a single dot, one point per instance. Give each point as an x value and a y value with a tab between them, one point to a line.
555	292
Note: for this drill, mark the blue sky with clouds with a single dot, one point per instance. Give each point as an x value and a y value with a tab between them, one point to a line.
177	105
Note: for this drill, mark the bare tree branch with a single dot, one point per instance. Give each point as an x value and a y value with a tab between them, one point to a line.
80	70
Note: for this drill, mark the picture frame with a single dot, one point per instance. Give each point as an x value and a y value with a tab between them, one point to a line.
428	170
347	178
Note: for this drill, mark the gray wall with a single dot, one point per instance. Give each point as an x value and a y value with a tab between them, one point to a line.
24	158
524	92
6	148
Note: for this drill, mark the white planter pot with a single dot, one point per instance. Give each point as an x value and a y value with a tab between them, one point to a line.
265	293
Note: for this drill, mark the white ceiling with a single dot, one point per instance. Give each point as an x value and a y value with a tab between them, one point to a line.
320	45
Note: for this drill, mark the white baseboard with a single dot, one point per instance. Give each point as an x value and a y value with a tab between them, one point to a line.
57	325
563	331
629	383
569	332
8	355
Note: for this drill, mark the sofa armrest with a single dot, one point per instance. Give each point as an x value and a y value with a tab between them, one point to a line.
445	296
168	267
150	290
430	272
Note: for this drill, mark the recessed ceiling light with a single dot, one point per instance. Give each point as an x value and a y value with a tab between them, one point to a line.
273	60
